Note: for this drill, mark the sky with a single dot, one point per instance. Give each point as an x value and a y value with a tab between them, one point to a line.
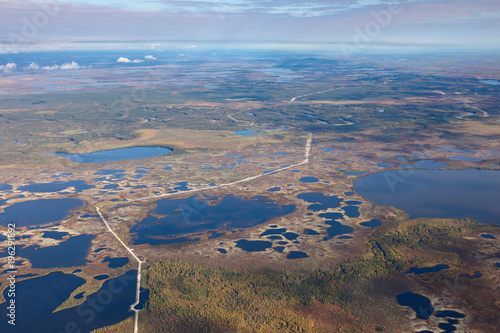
350	24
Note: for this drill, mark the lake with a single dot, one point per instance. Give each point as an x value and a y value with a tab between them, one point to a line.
72	252
195	215
309	179
130	153
116	262
79	186
420	304
436	268
37	212
38	298
253	246
468	193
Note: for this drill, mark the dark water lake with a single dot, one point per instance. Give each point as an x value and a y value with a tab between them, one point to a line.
420	304
309	179
372	223
253	246
196	215
37	212
79	186
320	201
57	235
351	211
116	154
488	236
67	254
297	255
38	297
336	228
79	296
436	268
449	313
469	193
116	262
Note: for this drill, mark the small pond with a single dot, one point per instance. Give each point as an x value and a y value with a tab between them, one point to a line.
116	262
297	255
253	246
436	268
374	223
309	179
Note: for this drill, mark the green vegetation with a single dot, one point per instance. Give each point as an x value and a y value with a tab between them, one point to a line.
187	297
126	326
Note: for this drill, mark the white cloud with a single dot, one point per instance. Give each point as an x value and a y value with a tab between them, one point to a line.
127	60
150	57
73	65
50	68
65	66
33	65
11	66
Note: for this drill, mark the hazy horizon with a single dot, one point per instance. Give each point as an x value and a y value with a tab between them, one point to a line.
354	24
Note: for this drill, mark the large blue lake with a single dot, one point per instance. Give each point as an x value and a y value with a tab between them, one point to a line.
72	252
37	298
116	154
175	217
469	193
37	212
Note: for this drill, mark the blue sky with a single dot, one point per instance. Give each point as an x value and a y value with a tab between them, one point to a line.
44	24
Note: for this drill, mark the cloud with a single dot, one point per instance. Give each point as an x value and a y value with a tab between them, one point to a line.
50	68
33	65
150	57
127	60
122	59
73	65
65	66
11	66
